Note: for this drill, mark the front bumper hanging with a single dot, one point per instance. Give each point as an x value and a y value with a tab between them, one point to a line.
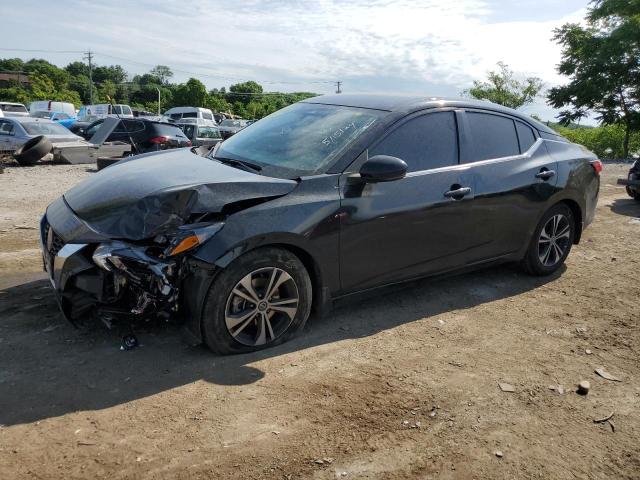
113	281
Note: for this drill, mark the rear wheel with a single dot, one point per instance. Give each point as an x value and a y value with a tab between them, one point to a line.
551	242
635	194
260	300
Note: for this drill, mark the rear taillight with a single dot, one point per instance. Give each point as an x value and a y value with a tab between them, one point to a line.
597	166
160	140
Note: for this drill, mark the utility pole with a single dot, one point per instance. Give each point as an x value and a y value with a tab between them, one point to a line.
338	85
89	57
158	100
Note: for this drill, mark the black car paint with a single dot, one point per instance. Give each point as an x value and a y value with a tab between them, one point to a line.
126	202
129	132
350	234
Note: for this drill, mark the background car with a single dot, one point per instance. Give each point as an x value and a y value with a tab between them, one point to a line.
199	115
143	135
230	127
16	131
10	109
201	135
62	118
632	182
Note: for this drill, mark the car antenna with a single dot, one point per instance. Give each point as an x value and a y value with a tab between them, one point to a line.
124	125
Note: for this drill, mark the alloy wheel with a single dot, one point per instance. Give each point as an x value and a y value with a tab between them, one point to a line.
261	306
554	240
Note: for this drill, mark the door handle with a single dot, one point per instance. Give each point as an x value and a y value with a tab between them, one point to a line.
545	174
458	193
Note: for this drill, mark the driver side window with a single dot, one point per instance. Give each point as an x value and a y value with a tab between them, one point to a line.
6	128
425	142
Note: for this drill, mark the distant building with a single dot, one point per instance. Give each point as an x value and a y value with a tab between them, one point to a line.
6	79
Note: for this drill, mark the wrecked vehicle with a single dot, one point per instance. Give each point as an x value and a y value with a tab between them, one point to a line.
325	198
632	182
30	139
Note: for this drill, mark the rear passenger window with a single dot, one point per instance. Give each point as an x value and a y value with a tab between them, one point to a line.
525	136
425	142
493	136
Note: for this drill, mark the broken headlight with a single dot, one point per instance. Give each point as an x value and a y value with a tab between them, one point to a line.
191	236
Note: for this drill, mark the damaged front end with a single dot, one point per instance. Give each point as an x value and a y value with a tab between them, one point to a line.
119	281
120	244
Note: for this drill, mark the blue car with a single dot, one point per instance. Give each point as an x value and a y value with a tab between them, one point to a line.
62	118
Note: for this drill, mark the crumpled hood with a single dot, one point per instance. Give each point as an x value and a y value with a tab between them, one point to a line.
152	194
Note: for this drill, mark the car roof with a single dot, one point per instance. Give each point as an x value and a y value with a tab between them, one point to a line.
409	103
29	120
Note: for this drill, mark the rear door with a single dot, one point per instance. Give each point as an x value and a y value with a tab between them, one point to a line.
392	231
513	176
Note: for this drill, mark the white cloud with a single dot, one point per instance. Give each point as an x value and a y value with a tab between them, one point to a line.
418	43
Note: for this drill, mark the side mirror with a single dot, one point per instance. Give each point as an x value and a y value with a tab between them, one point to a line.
383	168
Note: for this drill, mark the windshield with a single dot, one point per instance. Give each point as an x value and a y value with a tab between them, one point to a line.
42	114
13	108
301	139
208	132
45	128
230	123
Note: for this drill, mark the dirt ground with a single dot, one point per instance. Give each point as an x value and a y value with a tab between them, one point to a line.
404	385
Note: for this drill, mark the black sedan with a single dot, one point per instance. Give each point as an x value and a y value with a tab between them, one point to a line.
143	135
325	198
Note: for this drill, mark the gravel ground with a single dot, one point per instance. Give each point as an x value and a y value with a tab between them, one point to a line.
400	386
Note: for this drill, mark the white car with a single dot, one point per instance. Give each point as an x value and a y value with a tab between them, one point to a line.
10	109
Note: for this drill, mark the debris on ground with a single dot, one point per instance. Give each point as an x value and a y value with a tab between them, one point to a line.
583	387
606	375
129	342
588	352
557	388
506	387
499	454
603	419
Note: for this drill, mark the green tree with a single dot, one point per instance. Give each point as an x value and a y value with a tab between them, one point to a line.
245	92
12	65
162	73
602	61
192	94
503	88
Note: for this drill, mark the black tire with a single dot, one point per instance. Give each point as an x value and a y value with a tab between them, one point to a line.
635	194
221	297
532	262
104	162
33	150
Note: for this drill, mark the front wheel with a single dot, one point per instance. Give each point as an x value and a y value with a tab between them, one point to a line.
551	242
260	300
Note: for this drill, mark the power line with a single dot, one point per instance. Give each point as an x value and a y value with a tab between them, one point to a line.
39	51
90	56
224	77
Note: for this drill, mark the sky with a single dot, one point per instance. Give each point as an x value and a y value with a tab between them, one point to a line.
406	46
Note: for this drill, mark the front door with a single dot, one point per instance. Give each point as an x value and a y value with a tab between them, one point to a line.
393	231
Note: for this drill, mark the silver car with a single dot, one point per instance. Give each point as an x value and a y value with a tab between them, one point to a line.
201	135
16	131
